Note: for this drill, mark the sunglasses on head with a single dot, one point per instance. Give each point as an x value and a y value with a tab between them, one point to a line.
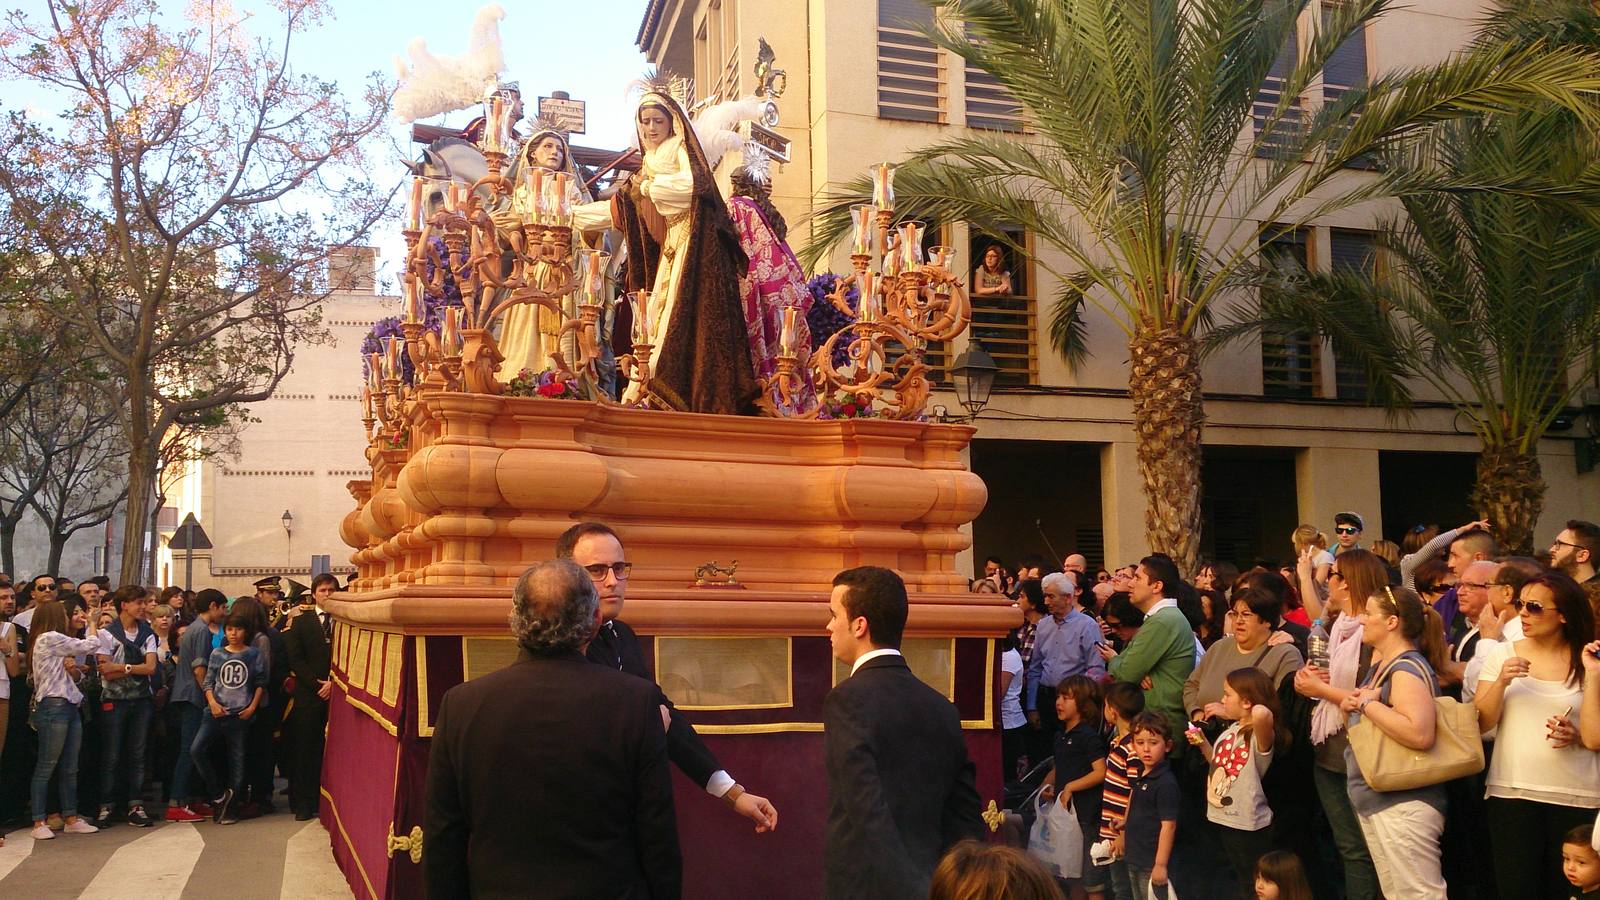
1346	529
1532	606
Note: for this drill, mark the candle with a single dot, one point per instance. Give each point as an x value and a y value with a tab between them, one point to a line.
451	201
911	245
536	188
561	198
494	133
786	336
592	276
413	301
891	256
391	357
861	218
867	308
375	372
366	402
450	332
641	316
883	187
414	212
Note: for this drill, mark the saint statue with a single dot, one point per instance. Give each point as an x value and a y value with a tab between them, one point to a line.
530	333
683	249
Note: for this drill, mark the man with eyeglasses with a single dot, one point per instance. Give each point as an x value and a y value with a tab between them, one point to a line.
1347	528
598	550
1575	550
1476	583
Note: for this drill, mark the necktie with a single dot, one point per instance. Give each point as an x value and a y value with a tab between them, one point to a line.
327	627
608	640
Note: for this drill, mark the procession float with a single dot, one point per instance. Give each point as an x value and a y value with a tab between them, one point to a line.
604	336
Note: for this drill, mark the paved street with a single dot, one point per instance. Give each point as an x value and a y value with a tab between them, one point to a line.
260	859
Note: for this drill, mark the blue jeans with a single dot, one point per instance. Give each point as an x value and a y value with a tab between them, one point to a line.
1360	877
125	727
232	729
60	735
190	717
1121	884
1143	889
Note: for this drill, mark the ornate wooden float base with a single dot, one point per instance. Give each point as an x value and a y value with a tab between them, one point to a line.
481	490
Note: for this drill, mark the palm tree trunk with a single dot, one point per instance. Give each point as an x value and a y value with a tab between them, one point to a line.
1168	418
1510	494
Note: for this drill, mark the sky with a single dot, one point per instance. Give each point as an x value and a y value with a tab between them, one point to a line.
586	49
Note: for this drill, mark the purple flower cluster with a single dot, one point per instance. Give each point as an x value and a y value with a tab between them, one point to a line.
824	318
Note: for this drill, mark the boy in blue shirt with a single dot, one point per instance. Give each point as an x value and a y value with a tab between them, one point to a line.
235	685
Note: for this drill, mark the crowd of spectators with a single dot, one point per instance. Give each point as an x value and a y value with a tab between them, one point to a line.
1202	727
135	705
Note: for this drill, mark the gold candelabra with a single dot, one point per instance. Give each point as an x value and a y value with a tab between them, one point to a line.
915	299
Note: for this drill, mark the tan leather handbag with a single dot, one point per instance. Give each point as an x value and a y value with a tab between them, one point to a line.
1388	765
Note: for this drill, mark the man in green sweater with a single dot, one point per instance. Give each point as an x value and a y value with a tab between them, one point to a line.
1163	650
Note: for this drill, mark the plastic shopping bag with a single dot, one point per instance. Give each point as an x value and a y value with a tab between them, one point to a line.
1057	839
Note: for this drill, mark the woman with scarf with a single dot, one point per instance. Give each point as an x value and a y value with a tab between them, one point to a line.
1354	576
683	248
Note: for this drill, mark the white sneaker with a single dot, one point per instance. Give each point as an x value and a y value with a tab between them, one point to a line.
42	833
79	826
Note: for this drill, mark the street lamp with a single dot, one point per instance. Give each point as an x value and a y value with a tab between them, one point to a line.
288	536
973	375
288	522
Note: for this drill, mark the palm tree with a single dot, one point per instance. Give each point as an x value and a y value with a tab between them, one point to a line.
1491	299
1151	171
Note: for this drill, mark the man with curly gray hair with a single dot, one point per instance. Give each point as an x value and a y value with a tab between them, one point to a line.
552	770
554	608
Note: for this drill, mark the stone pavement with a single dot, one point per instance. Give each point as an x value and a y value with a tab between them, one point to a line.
268	858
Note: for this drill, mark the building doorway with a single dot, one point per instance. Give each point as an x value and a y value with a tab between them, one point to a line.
1247	505
1425	488
1044	499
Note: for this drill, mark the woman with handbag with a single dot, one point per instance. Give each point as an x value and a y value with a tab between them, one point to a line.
1249	646
1402	827
1543	780
1356	574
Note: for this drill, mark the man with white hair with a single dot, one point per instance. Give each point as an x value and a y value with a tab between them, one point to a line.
1063	646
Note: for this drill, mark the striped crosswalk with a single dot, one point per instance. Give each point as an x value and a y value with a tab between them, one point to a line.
272	858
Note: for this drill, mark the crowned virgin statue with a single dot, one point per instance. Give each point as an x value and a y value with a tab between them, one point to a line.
683	249
530	333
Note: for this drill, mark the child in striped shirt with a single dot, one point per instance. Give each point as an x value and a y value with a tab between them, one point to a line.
1123	701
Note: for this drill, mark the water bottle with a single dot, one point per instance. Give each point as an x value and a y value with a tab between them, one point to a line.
1317	646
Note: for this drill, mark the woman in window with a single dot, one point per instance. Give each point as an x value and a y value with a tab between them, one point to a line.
990	278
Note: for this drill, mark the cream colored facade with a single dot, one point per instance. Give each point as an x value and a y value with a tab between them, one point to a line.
307	442
1336	453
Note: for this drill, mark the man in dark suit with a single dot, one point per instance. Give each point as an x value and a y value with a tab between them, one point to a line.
310	657
901	788
549	778
598	550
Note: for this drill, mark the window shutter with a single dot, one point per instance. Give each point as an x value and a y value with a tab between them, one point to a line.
910	69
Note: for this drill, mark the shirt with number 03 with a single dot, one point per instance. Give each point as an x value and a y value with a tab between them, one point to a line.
1525	765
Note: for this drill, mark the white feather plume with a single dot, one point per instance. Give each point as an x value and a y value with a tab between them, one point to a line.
432	85
717	126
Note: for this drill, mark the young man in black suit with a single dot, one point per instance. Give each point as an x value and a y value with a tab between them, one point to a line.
549	778
901	788
310	658
598	550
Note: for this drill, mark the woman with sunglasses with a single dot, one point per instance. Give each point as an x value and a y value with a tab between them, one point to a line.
1354	573
1542	779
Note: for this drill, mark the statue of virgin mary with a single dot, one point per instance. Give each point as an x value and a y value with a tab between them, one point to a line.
530	333
683	248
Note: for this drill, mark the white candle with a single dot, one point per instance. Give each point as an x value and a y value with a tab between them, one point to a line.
641	316
414	211
883	187
786	336
867	307
861	219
